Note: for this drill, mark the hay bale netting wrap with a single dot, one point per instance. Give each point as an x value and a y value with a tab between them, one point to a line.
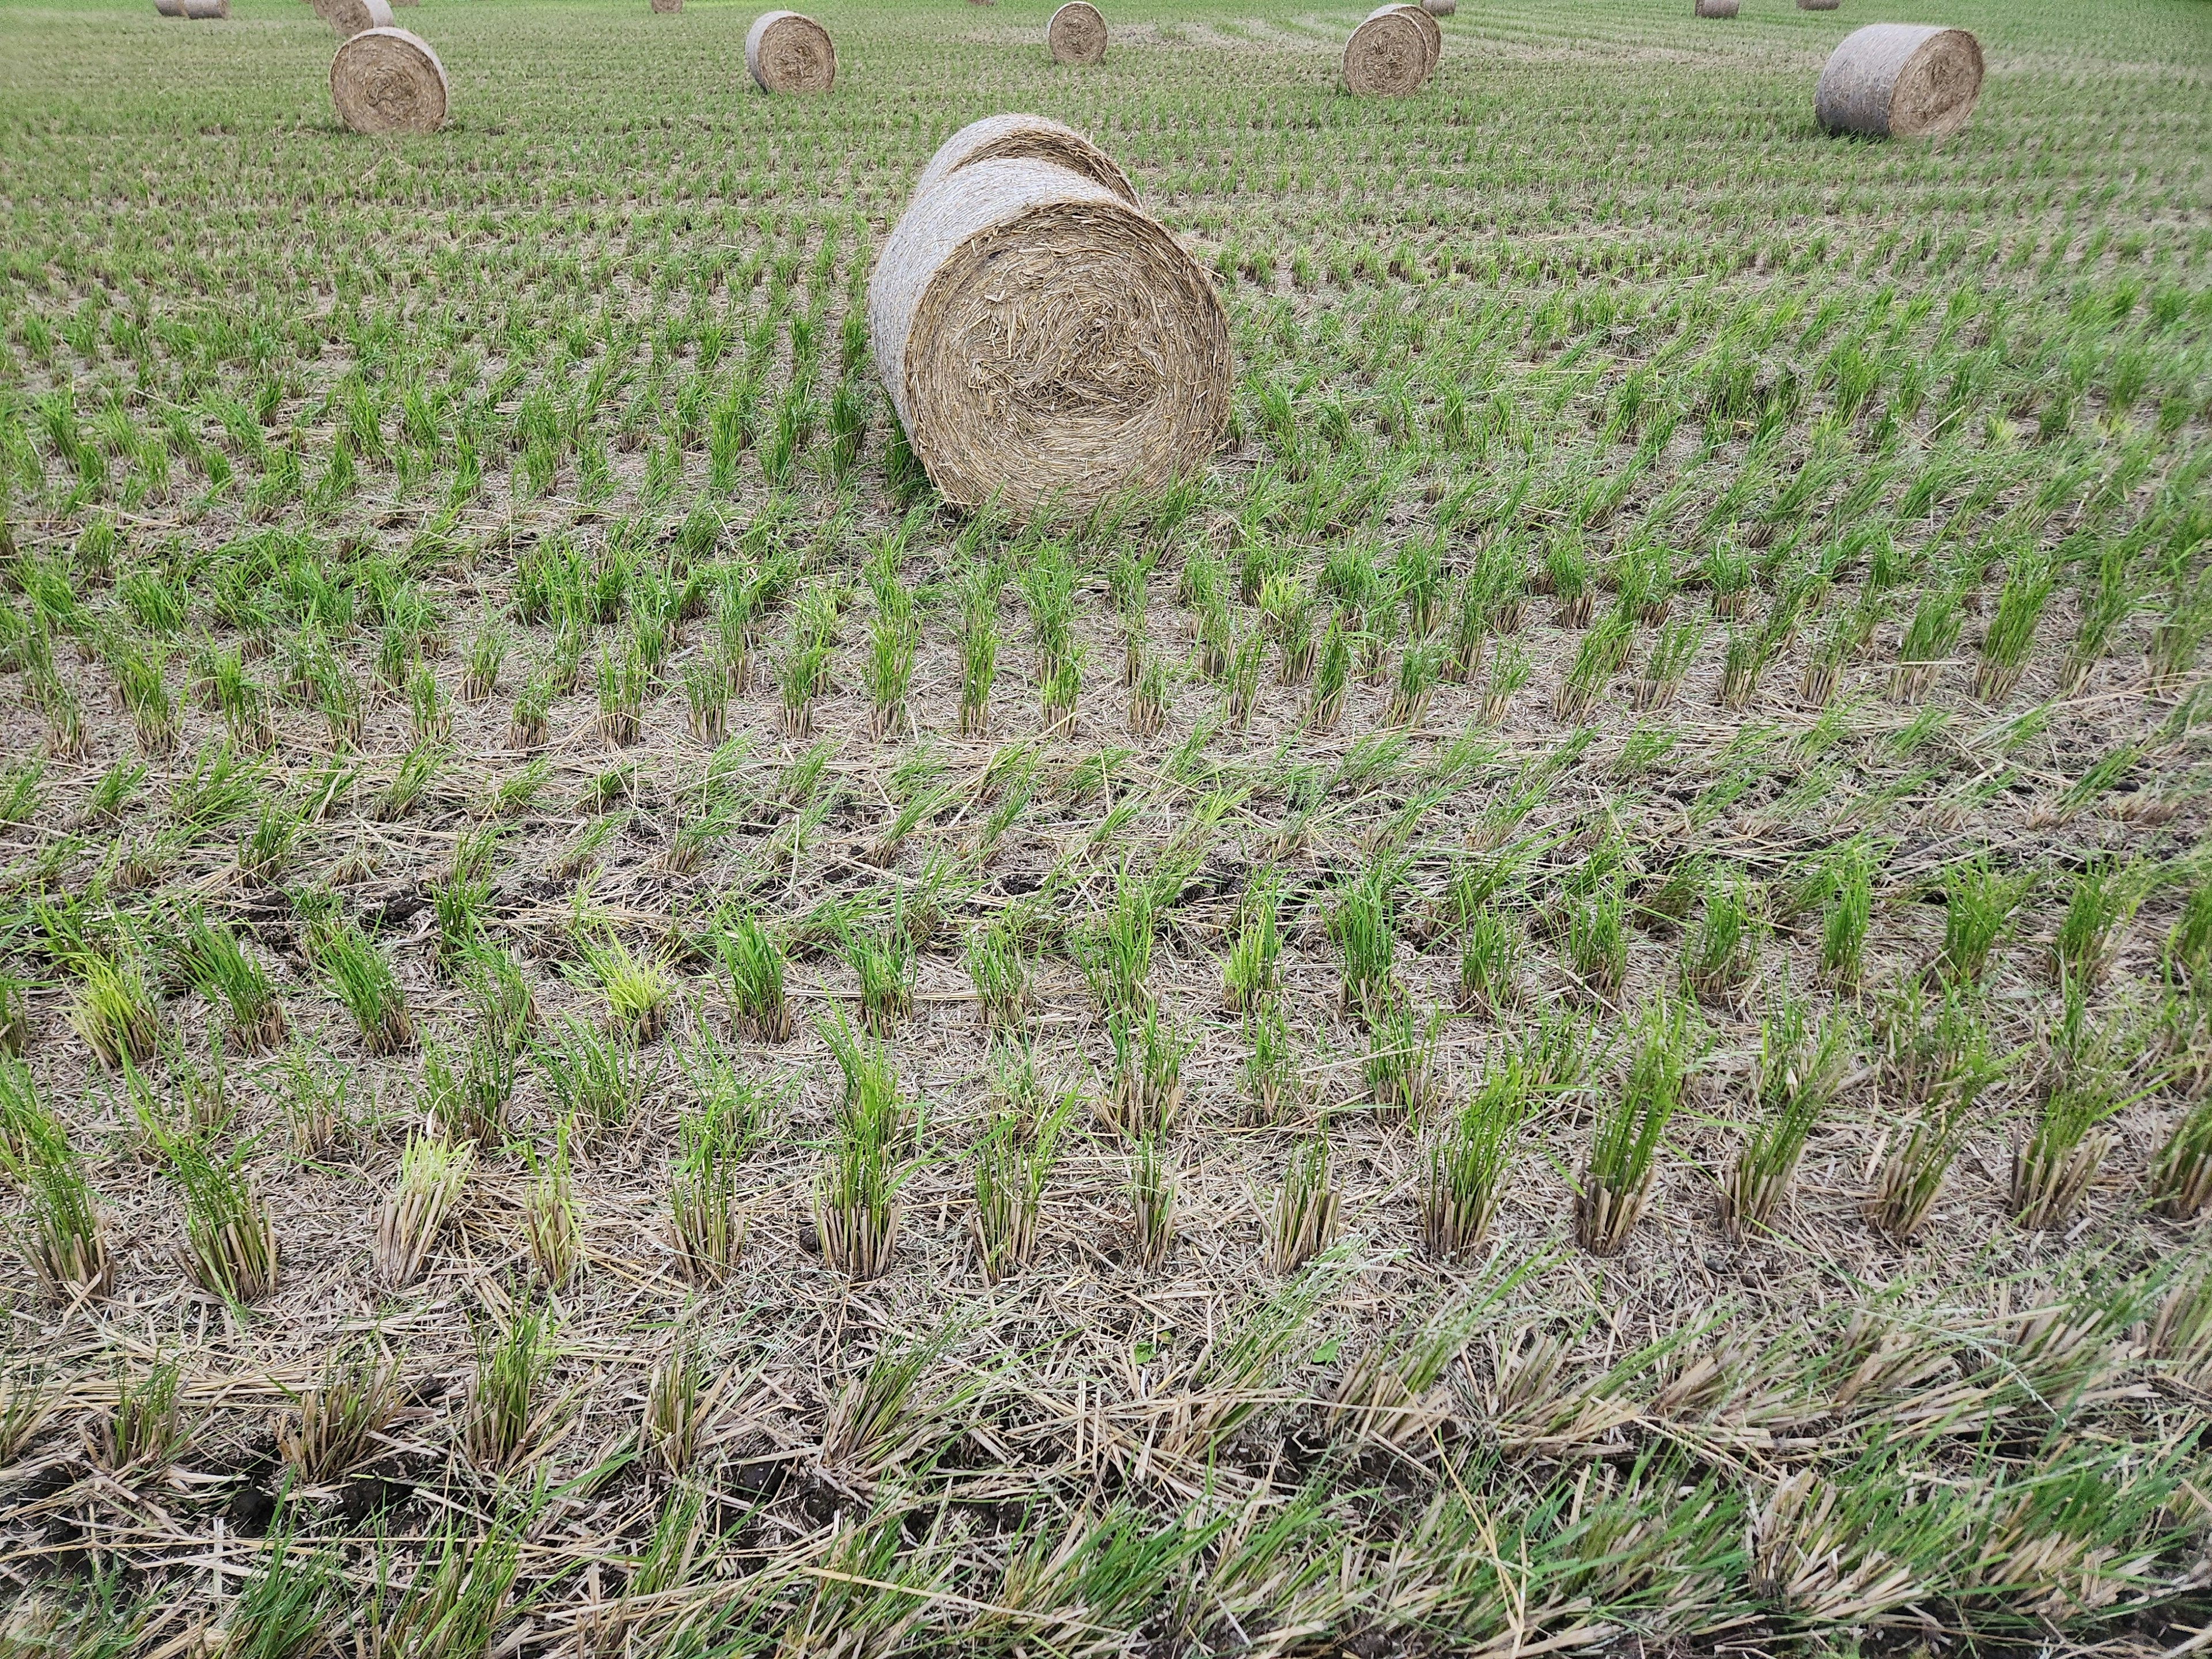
385	81
352	17
1025	139
1901	81
1715	7
1077	34
1388	56
1045	341
788	52
1433	38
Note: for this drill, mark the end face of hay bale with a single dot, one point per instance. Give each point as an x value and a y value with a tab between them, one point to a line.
1077	34
1717	8
788	52
1388	56
387	80
1433	38
1901	81
1045	342
347	18
1025	139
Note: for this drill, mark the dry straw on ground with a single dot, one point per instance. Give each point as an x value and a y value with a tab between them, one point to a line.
352	17
1077	34
1901	81
1042	339
1715	7
1025	139
1388	56
788	52
387	80
1433	38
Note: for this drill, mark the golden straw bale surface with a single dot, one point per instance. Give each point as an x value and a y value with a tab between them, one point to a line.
1388	56
1077	34
350	17
387	80
786	51
1433	38
1044	342
1024	138
1901	81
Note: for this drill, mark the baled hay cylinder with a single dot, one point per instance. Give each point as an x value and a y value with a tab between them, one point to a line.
1818	5
788	52
1433	38
170	8
1440	8
1044	341
1025	139
207	8
1388	56
385	81
1717	8
351	17
1901	81
667	5
1077	34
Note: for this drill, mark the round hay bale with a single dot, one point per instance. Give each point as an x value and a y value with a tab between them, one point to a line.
1818	5
352	17
386	80
1440	8
1717	8
1077	34
1044	341
207	8
1025	139
788	52
1901	81
667	5
1433	38
1388	56
170	8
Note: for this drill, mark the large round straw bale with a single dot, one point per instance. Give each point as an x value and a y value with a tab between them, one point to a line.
1388	54
170	8
207	8
788	52
667	5
1901	81
1077	34
1717	8
1025	139
351	17
1440	8
1044	341
1433	38
386	80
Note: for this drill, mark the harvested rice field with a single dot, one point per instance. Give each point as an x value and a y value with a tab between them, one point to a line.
1563	1006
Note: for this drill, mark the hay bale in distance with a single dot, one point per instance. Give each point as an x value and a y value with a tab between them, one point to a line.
170	8
351	17
387	80
1044	341
207	8
1901	81
1715	7
1025	139
1388	56
1818	5
1440	8
667	5
788	52
1077	34
1433	38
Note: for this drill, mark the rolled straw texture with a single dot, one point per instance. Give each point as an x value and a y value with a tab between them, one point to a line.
1440	8
350	17
1025	139
1077	34
1433	38
1901	81
1045	342
788	52
386	80
1388	56
170	8
1717	8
